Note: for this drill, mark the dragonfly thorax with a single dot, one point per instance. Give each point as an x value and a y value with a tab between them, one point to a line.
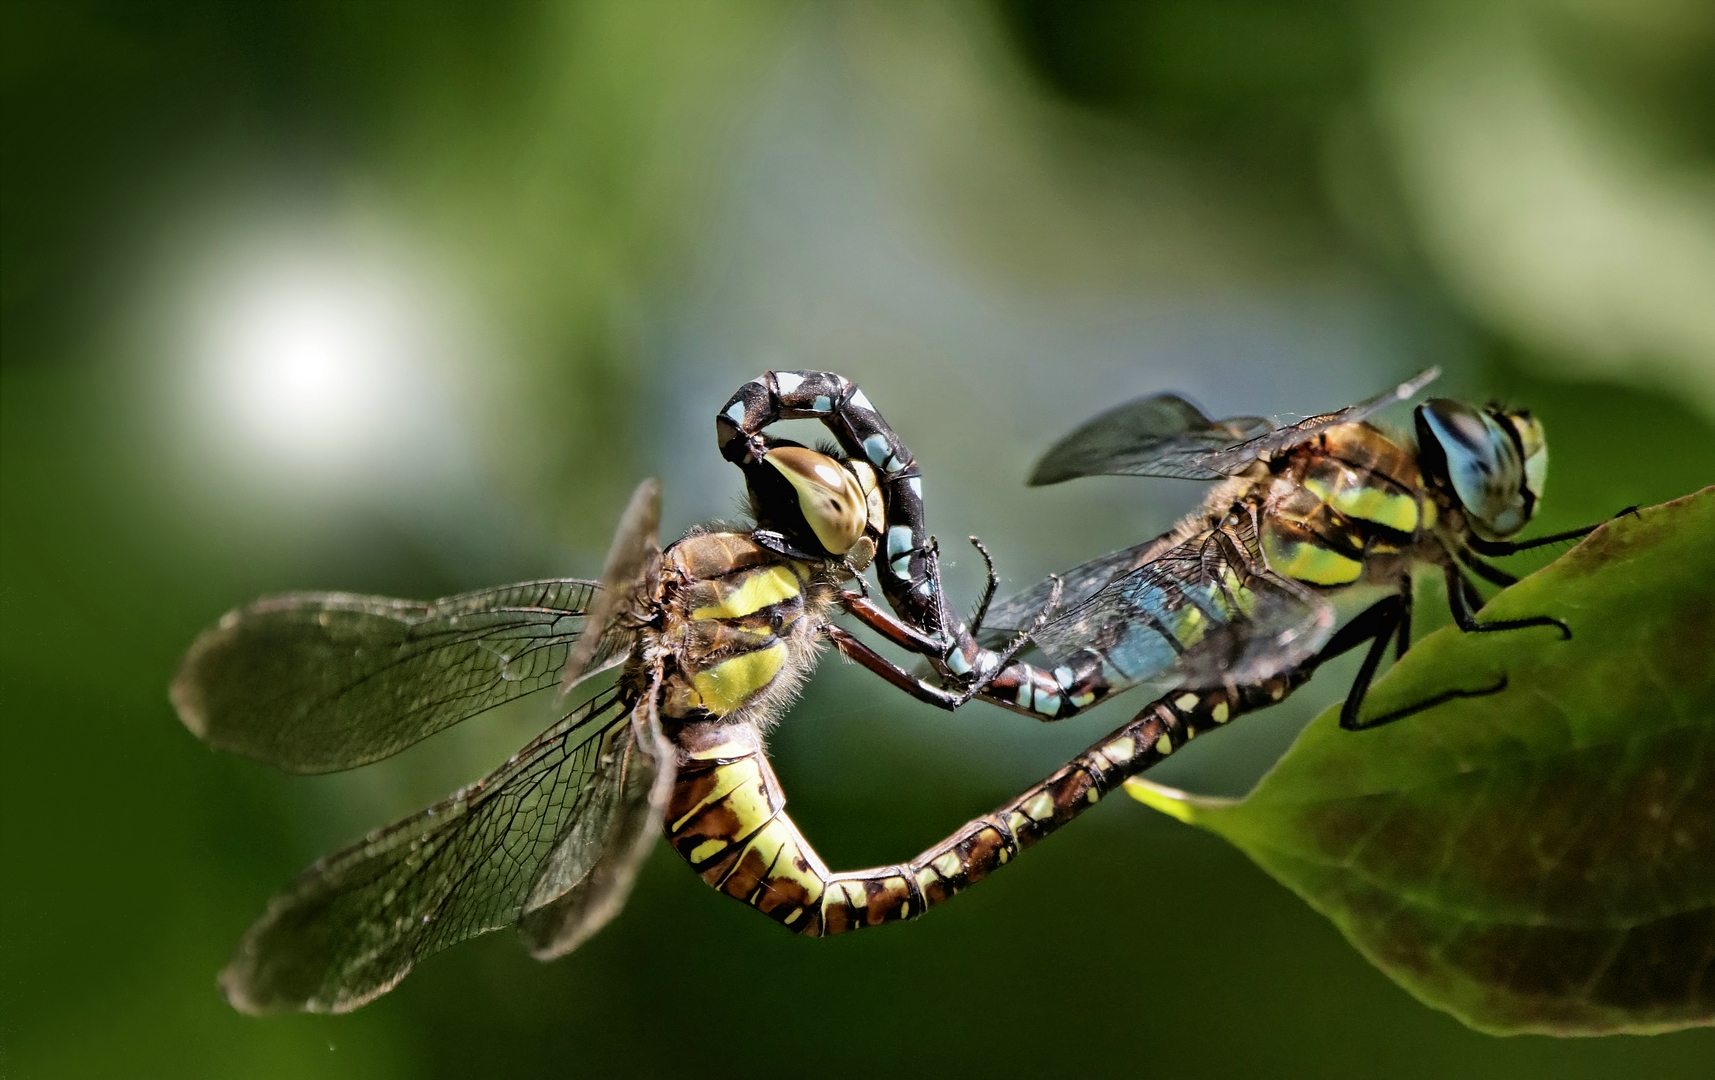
738	628
1343	508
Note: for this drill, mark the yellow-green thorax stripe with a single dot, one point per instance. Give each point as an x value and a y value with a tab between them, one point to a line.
1370	502
1308	561
730	683
758	589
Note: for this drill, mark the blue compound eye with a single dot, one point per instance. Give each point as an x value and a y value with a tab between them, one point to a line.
1481	461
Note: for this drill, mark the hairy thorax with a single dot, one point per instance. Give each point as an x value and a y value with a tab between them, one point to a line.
1348	508
739	627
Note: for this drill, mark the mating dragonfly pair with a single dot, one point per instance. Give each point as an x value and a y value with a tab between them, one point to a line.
1227	613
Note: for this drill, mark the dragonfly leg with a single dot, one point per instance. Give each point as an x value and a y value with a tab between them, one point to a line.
1494	575
993	583
1462	600
855	650
1511	547
1379	622
1427	703
1405	601
890	627
977	680
1022	686
727	817
1376	624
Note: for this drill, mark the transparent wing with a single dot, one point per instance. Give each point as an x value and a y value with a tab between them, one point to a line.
630	558
517	842
592	869
1234	459
1163	435
1006	617
316	682
1205	613
1168	436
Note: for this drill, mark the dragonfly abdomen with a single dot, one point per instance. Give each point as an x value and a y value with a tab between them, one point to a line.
726	818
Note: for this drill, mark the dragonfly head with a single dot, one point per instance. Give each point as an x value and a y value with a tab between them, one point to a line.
817	500
1493	461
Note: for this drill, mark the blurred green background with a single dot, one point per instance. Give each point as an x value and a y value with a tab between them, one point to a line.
404	298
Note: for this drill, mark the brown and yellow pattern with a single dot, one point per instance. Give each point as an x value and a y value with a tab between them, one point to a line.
727	817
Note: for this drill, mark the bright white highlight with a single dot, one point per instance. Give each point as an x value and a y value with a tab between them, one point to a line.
318	363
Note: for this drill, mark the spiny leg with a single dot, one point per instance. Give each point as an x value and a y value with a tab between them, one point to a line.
1388	619
1396	609
889	626
1376	624
1510	547
1495	548
993	583
1405	600
1494	575
1459	591
856	650
1427	703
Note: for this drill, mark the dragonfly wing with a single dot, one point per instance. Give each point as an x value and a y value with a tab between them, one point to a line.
592	868
1163	435
317	682
1077	585
1204	613
1234	459
629	560
355	923
1276	624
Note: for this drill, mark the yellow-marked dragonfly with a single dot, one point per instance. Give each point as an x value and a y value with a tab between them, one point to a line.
712	637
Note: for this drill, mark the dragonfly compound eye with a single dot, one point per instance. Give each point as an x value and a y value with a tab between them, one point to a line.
834	504
870	485
1534	447
1481	456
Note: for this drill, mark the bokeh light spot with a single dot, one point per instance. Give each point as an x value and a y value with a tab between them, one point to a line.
317	362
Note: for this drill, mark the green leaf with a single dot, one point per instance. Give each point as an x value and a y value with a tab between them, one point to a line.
1540	859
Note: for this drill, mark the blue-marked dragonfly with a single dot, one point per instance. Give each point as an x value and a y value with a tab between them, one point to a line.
1301	515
